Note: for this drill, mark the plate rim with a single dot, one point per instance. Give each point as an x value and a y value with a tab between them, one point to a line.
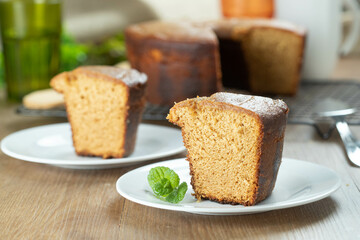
86	162
237	209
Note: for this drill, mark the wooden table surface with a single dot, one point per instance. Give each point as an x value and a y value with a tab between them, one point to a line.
44	202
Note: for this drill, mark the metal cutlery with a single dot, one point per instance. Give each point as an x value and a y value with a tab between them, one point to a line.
338	110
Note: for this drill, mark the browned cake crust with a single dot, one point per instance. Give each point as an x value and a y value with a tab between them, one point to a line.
132	104
268	114
181	61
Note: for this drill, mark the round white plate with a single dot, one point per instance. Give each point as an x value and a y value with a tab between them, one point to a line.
298	183
52	144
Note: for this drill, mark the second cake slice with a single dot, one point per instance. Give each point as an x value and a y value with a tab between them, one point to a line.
104	106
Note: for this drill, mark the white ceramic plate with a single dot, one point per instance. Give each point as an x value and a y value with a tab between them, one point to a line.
52	144
298	183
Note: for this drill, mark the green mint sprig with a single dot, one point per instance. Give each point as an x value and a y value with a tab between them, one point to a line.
165	184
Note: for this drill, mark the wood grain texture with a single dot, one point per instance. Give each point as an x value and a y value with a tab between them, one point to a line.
44	202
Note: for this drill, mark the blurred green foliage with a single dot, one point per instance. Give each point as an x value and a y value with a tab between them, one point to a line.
109	52
74	54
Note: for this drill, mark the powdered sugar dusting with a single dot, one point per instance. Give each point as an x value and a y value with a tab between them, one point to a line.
130	77
257	104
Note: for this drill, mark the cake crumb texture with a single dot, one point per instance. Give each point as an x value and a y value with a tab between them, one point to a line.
233	153
103	110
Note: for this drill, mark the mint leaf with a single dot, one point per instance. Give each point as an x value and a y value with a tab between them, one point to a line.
165	184
155	178
178	194
173	177
155	175
163	188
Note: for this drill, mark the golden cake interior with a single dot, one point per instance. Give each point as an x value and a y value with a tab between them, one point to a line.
268	52
97	110
223	150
